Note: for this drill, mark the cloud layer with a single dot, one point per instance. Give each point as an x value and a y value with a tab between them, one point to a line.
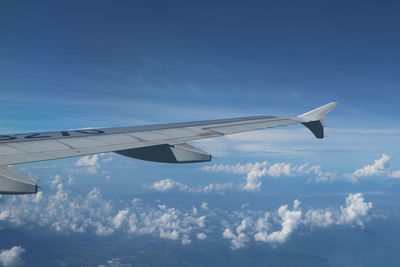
66	212
63	211
254	172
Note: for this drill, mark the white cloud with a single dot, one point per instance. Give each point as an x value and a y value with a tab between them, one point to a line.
255	171
237	240
133	223
91	162
120	218
290	219
88	160
378	167
186	240
237	236
56	181
107	159
169	184
166	184
12	256
65	212
214	188
355	209
395	174
169	223
103	230
319	218
136	200
276	228
253	180
201	236
238	168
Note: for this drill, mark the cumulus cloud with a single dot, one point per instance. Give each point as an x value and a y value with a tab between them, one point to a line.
169	184
12	256
91	162
275	228
354	212
87	160
255	171
290	219
319	218
120	218
238	237
355	209
378	167
61	210
165	222
201	236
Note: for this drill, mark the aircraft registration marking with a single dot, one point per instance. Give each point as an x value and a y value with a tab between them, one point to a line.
49	135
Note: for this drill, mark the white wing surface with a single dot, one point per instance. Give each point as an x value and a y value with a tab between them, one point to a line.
160	143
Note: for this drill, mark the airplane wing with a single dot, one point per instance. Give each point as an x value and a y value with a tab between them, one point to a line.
160	143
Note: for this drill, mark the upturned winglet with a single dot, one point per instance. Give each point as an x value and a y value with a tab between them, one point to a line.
313	119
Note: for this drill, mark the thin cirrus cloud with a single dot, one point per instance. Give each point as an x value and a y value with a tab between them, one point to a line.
298	141
65	212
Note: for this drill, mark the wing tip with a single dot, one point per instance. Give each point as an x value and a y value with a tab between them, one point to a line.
313	119
318	113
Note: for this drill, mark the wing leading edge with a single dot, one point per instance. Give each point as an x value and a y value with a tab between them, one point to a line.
160	143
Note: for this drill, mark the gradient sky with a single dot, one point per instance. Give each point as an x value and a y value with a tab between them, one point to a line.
73	64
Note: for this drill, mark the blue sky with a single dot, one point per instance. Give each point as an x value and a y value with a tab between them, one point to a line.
75	64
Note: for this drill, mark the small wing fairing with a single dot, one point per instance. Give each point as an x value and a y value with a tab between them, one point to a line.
13	182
